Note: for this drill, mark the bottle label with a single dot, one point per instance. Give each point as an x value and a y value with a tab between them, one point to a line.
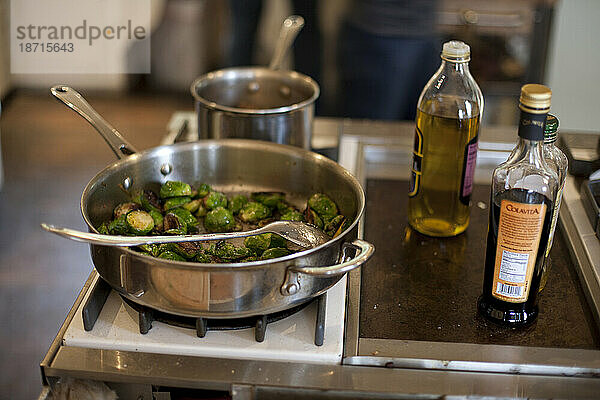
415	170
519	232
468	173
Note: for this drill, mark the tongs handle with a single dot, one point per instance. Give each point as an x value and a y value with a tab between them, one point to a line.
77	103
124	241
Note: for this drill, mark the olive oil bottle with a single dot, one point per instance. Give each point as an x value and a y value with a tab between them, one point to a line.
524	191
445	147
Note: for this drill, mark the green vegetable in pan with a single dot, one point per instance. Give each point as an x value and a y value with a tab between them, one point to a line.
139	222
175	189
219	220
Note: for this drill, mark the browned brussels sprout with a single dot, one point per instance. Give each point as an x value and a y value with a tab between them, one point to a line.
269	199
193	205
185	216
150	249
158	219
170	255
204	257
201	211
139	222
203	191
292	215
150	201
260	243
174	202
230	252
219	220
174	225
254	212
214	200
274	252
237	202
124	208
334	225
175	189
313	218
118	226
323	205
187	249
103	229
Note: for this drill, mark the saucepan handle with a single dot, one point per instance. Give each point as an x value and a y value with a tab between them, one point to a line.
364	252
77	103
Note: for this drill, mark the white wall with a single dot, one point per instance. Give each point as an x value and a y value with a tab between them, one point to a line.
574	65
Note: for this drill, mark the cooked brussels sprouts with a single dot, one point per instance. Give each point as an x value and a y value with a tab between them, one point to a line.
203	190
170	255
175	189
151	249
334	224
269	199
254	212
103	229
139	222
150	201
260	243
201	211
174	225
118	226
323	205
180	209
187	249
292	215
186	216
193	205
274	252
214	200
124	208
203	257
219	220
174	202
158	219
313	218
230	252
237	202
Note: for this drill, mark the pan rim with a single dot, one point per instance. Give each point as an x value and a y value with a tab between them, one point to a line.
259	111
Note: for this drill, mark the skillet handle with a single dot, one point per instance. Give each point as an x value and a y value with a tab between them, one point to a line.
121	147
365	251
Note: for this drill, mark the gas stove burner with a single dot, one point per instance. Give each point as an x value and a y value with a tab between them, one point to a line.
202	325
147	315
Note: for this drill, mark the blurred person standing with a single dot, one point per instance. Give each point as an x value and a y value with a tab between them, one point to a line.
388	49
307	48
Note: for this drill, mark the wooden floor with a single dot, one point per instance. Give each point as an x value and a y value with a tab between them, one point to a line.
49	154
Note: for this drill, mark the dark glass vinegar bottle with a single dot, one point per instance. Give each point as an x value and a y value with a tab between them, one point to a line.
524	189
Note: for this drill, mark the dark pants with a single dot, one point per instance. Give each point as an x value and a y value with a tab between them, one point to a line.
245	15
381	77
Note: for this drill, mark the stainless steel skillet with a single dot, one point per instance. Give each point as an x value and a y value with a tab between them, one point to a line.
232	165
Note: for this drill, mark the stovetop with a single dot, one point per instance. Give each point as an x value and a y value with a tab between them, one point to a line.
290	339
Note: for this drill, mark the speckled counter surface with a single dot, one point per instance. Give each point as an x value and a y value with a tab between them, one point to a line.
425	289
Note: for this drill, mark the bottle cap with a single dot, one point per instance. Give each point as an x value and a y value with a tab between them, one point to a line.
456	50
535	98
550	129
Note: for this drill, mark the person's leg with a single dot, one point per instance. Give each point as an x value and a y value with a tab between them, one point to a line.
308	45
245	15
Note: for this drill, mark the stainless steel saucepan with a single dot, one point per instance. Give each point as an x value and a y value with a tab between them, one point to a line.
233	165
258	102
